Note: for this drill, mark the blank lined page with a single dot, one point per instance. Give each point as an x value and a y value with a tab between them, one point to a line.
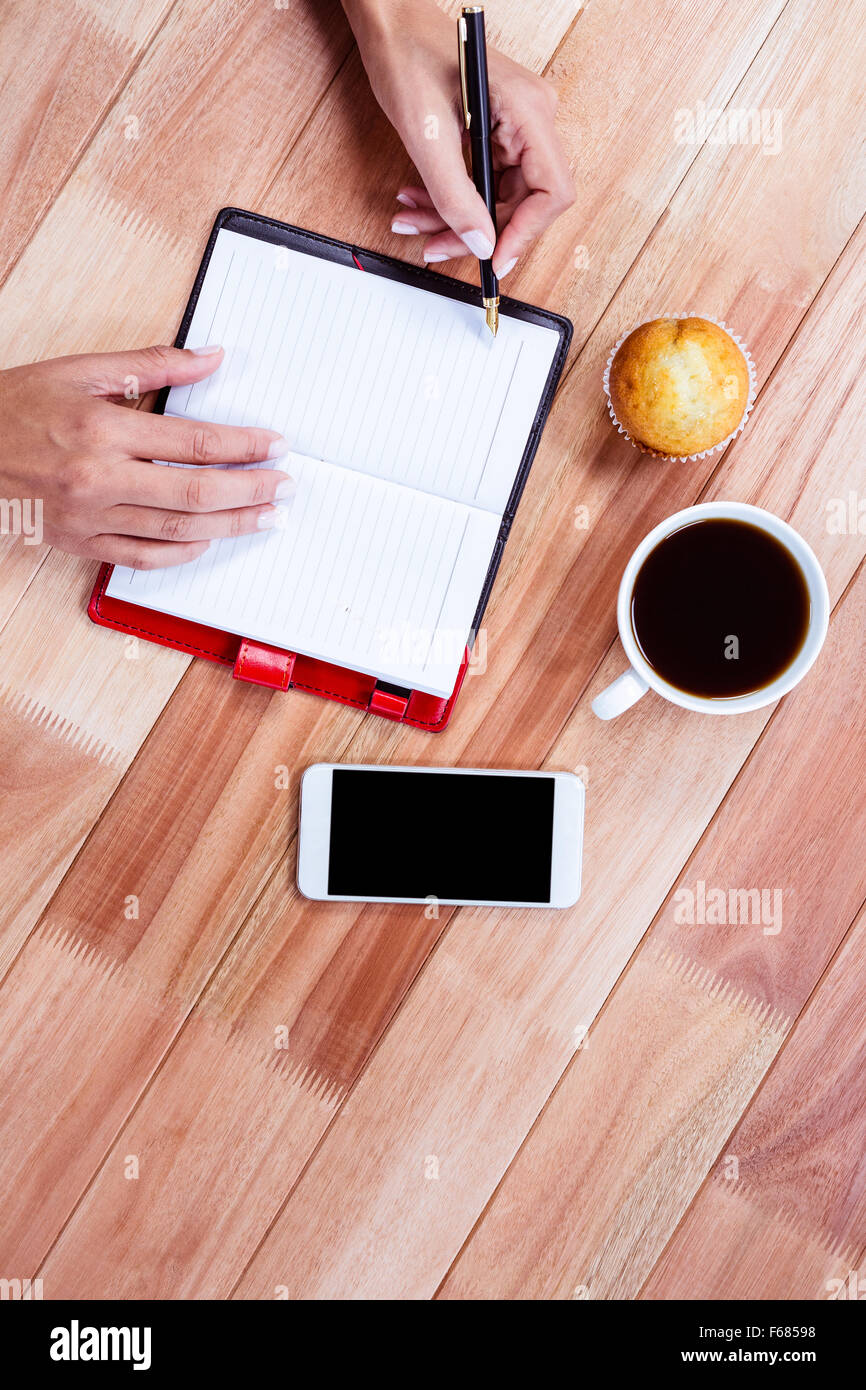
367	372
362	573
409	422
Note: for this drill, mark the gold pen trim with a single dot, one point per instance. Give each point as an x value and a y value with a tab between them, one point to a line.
491	313
461	57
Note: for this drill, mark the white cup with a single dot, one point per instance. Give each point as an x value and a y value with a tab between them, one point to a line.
640	677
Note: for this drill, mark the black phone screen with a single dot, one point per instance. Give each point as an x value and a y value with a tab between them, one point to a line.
434	834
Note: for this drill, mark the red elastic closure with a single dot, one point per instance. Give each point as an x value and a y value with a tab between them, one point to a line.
388	705
262	665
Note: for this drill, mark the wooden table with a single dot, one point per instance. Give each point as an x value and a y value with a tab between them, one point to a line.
212	1088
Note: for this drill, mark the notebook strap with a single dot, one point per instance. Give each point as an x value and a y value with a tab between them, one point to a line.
263	665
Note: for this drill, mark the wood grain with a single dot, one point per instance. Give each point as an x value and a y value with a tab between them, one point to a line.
88	916
705	1025
332	1101
377	1003
53	97
693	990
789	1215
141	201
407	1250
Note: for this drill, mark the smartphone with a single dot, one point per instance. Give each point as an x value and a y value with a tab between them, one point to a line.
460	835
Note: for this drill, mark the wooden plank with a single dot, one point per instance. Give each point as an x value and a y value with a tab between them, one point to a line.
613	99
165	941
563	969
333	1041
214	119
520	976
783	1212
631	1130
736	34
78	701
20	564
474	1052
696	997
105	983
66	753
53	95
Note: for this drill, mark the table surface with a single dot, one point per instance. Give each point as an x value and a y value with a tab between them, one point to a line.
212	1088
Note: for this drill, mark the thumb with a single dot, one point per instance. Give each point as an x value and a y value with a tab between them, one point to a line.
134	373
443	172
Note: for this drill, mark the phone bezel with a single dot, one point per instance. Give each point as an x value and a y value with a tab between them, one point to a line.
314	834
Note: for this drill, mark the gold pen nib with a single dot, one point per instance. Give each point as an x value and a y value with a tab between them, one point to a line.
491	311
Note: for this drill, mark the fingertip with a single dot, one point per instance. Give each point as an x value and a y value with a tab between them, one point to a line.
478	243
196	362
447	244
278	447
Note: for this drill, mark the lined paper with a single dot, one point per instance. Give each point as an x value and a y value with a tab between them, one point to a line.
407	422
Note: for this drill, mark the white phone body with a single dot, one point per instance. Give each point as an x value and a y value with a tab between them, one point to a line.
566	840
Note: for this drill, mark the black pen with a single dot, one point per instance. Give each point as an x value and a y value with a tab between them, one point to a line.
475	92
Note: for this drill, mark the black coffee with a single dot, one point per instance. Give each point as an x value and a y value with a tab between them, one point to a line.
720	608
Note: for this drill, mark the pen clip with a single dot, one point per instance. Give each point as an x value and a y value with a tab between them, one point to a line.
461	54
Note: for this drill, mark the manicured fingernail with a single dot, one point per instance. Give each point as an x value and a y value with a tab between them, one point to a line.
406	200
286	489
206	351
504	269
404	228
278	448
478	244
431	256
267	520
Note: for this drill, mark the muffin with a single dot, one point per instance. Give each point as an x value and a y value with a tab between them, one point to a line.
679	386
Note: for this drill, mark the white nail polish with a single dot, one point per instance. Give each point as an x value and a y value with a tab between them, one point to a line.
478	244
432	256
404	228
208	351
278	449
267	520
406	200
503	270
285	489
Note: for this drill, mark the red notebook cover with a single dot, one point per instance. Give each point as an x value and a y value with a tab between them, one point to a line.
262	665
283	670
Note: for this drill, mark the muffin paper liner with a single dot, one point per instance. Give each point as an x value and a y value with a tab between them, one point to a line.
723	443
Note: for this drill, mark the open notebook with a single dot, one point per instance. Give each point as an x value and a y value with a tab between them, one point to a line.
409	424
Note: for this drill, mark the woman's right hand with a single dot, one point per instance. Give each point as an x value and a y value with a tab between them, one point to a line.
69	438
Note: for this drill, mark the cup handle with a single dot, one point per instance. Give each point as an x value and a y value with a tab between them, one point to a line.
626	690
